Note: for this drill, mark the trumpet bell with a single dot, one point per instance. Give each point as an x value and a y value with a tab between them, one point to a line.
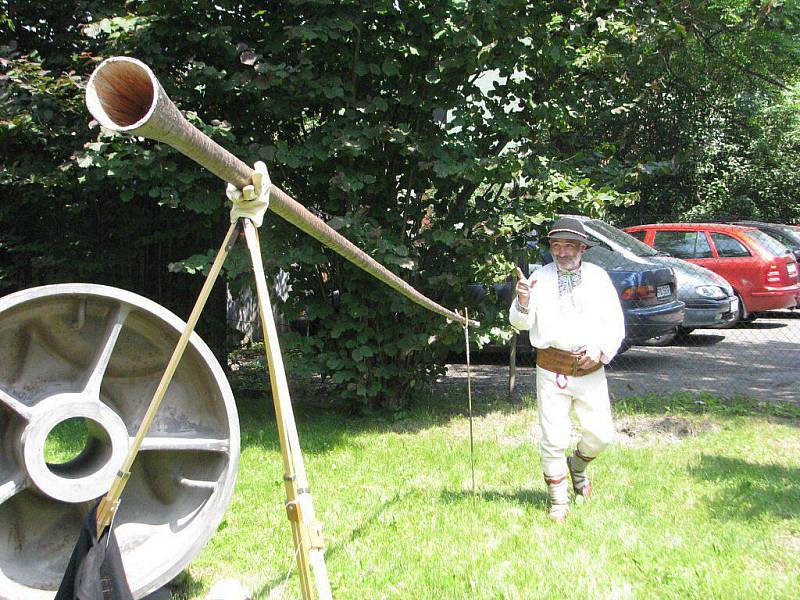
125	96
122	94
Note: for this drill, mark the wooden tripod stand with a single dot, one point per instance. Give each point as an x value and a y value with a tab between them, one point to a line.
306	530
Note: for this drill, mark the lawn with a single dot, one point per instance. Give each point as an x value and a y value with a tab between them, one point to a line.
696	499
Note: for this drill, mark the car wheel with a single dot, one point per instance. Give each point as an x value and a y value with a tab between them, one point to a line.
744	316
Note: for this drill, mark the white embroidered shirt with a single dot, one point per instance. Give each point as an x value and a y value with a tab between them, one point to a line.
586	313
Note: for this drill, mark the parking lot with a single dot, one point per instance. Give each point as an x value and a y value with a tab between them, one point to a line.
759	360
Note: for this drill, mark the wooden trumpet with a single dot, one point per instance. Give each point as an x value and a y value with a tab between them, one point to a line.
124	95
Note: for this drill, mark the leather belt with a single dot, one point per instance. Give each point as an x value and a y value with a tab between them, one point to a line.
560	361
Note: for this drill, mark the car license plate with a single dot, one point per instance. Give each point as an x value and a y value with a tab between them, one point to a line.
735	305
791	268
663	291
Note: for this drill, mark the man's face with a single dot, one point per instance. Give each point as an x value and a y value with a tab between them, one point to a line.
567	253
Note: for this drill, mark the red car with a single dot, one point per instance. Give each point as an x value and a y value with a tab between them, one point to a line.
762	271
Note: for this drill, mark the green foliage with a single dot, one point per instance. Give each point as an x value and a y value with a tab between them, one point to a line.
750	167
88	205
714	114
433	135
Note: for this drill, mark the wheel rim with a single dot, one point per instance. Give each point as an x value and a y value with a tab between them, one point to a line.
96	353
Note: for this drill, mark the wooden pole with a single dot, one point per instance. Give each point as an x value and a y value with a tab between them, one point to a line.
306	530
512	365
110	502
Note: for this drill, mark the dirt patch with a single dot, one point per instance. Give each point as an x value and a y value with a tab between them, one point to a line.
790	542
644	431
514	430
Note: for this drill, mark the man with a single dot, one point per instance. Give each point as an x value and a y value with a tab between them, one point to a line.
575	322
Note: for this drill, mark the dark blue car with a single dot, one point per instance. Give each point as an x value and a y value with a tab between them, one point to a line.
647	292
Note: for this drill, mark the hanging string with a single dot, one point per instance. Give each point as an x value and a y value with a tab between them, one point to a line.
289	572
469	400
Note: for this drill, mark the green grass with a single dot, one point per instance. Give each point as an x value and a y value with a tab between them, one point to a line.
698	499
66	441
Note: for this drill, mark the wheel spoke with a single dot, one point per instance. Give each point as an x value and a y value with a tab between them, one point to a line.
184	443
100	362
198	483
12	487
18	407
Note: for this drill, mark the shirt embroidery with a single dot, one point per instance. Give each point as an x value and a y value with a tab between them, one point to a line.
567	282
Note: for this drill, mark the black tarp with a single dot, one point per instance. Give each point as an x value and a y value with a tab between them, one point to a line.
95	568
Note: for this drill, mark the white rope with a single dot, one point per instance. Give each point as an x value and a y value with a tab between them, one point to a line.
289	572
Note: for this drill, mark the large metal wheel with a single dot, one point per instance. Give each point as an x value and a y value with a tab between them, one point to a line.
96	354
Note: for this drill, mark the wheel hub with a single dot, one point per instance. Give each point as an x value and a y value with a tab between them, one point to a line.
88	475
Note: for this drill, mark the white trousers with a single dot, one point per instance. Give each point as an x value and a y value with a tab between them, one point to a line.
588	395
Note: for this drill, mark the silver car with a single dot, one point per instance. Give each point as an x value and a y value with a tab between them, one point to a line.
710	299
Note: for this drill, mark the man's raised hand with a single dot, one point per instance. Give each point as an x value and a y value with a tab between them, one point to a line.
524	285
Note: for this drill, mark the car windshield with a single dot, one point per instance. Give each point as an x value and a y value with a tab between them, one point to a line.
770	243
787	236
623	239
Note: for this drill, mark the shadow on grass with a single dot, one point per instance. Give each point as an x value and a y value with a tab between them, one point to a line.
184	586
356	533
361	529
527	497
747	491
524	497
322	429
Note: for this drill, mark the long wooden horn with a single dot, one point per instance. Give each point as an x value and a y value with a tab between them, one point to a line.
124	95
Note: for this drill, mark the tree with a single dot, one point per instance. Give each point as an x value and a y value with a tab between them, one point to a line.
433	135
708	117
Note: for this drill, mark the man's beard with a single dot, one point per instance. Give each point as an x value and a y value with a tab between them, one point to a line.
568	264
